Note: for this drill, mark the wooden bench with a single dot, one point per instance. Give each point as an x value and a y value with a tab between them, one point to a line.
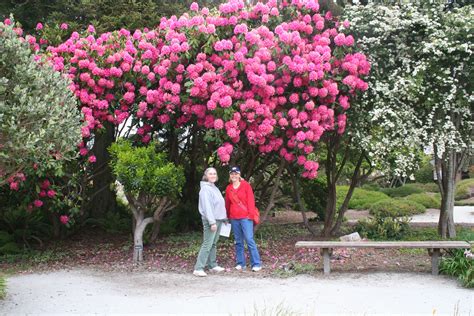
433	247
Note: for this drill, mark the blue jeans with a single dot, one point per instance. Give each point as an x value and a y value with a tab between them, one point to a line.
243	230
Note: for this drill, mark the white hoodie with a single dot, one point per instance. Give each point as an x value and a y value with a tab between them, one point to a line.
211	203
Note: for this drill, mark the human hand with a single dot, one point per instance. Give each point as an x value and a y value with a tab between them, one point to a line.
213	227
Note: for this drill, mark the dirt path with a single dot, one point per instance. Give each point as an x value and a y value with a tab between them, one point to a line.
87	291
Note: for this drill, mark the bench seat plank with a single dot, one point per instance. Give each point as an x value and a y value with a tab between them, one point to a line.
384	244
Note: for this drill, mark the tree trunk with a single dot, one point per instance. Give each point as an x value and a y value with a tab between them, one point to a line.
301	206
155	231
446	227
140	227
330	209
330	168
103	197
355	179
271	202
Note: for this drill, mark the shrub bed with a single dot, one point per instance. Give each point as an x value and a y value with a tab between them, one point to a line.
396	208
464	189
361	199
404	190
428	201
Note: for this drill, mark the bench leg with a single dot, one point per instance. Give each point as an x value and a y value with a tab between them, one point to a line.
435	254
326	261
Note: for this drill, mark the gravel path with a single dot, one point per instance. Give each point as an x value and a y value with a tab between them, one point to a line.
462	215
87	292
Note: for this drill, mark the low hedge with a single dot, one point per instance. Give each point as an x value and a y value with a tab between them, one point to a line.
426	187
427	200
361	199
396	208
464	189
404	190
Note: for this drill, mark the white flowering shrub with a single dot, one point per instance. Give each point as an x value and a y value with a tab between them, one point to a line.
420	92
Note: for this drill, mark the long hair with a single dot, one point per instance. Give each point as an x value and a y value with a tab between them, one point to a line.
204	176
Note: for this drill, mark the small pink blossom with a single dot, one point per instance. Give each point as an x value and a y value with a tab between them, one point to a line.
194	7
38	203
64	219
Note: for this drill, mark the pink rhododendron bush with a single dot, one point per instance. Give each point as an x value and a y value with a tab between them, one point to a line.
273	76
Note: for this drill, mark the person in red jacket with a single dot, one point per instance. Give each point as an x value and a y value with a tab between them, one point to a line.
241	210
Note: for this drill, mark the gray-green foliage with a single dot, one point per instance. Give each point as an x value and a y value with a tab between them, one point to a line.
39	119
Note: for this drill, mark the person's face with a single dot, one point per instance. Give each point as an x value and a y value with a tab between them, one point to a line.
212	176
234	177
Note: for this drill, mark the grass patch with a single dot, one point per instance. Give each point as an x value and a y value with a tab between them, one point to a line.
185	252
30	258
278	310
3	287
427	200
412	251
431	233
295	268
466	202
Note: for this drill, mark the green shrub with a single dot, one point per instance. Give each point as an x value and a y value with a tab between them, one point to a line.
8	244
384	228
371	187
151	184
426	187
20	229
457	264
428	201
403	191
396	208
425	173
361	199
314	193
464	189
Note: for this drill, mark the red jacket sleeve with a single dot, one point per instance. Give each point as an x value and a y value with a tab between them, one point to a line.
227	201
250	200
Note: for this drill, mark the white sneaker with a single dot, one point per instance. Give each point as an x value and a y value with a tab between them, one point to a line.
199	273
217	269
238	267
256	269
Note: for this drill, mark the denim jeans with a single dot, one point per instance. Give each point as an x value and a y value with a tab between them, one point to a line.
243	230
208	252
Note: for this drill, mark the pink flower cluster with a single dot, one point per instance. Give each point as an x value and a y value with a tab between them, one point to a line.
45	192
15	181
276	85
